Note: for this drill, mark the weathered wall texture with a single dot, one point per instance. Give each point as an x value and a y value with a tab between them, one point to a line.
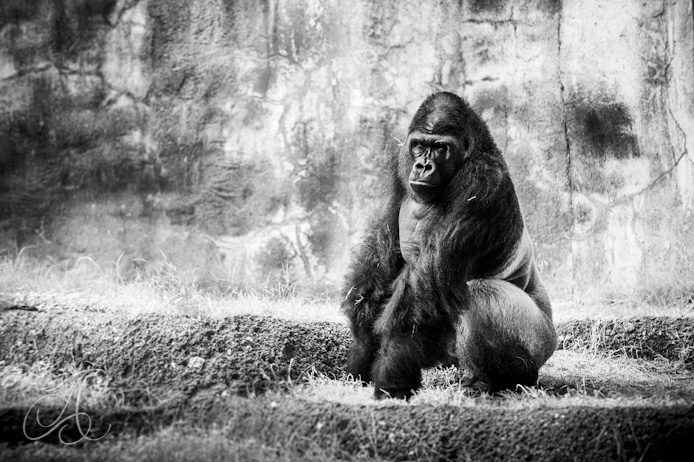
249	135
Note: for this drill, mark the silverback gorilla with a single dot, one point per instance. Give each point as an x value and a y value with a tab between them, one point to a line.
446	272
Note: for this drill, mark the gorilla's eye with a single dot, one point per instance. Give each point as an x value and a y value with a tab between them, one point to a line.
417	146
441	148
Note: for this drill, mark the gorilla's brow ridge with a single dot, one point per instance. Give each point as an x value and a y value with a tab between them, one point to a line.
442	113
439	121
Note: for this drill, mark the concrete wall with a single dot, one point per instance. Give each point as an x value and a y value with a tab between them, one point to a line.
241	136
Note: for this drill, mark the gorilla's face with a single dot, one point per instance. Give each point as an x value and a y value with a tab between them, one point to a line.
429	161
433	161
439	141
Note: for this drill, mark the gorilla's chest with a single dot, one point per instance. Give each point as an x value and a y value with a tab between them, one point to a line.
414	222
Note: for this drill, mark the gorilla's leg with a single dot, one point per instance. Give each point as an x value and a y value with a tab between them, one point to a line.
360	358
503	338
413	335
397	371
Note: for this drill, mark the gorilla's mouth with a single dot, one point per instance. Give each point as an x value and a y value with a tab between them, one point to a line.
424	189
422	184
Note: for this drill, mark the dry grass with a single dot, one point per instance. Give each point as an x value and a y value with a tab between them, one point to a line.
22	386
156	288
618	308
568	379
159	287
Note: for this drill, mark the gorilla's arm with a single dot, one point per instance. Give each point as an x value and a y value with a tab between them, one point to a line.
368	286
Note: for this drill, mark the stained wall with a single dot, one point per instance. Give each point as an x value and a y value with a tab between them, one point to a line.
247	138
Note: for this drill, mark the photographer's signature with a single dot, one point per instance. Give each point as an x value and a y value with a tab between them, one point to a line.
69	412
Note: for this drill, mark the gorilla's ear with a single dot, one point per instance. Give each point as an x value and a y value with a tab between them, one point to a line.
468	146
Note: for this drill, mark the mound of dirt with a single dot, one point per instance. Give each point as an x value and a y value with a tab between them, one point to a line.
245	353
648	337
249	353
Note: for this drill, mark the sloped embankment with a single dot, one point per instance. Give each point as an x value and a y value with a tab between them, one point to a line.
245	353
214	371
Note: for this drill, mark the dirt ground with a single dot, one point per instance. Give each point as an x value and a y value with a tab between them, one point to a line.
247	372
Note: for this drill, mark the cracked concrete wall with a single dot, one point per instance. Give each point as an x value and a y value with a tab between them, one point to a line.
250	138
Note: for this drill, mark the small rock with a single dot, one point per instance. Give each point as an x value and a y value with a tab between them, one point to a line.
629	327
196	362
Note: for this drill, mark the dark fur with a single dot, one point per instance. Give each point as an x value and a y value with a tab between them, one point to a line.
406	316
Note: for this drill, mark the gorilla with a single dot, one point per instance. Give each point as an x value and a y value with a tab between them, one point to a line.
446	273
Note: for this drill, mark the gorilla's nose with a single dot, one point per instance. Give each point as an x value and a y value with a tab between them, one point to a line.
424	167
